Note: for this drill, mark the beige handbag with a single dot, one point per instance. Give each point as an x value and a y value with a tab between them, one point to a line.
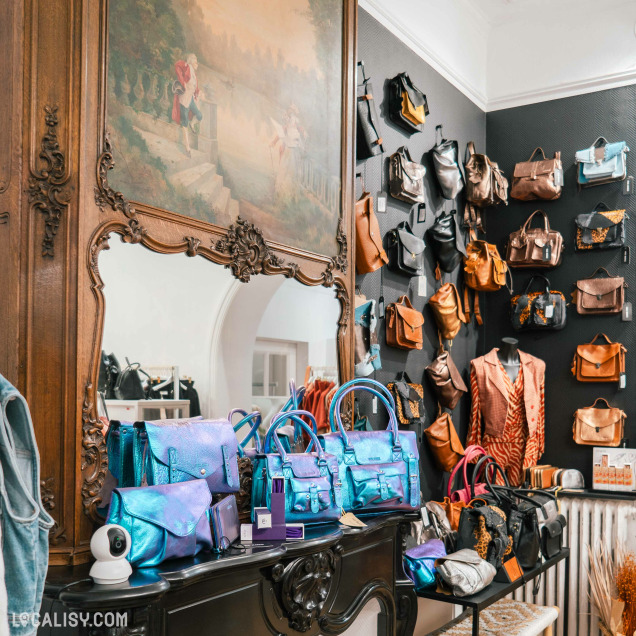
599	427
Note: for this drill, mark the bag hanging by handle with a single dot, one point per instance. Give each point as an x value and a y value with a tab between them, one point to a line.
535	152
296	415
600	270
604	206
607	404
601	335
532	278
546	221
596	143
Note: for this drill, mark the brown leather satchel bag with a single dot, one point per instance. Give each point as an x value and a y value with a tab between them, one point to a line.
446	379
599	427
404	325
444	442
599	362
406	177
541	179
446	304
535	247
600	295
370	254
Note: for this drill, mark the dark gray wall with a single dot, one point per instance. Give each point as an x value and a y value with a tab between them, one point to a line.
567	125
385	56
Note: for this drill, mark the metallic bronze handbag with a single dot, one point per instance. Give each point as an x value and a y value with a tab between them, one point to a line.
600	295
541	179
446	304
406	178
534	246
599	427
446	380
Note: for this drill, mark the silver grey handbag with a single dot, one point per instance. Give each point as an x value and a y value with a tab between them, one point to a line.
465	572
569	478
447	169
406	178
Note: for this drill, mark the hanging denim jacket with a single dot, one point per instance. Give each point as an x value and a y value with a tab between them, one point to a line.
25	524
367	348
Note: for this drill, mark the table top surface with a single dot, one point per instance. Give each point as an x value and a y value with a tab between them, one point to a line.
148	403
495	590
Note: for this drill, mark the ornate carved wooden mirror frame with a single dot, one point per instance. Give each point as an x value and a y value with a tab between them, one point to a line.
241	248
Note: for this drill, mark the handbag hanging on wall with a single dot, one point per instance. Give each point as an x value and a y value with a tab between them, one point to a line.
444	442
449	174
600	295
409	400
407	104
367	348
538	310
600	362
446	241
369	139
535	247
406	177
446	379
600	229
406	251
541	179
404	325
595	426
602	163
370	254
446	305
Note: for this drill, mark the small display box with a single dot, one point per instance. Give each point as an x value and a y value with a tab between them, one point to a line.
614	469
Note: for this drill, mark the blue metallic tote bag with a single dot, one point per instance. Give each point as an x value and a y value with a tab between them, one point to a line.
164	522
119	444
254	420
312	486
602	162
170	451
379	470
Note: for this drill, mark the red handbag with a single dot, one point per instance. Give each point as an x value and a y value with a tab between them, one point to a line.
466	494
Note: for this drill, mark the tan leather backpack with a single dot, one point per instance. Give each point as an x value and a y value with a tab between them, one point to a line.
446	304
370	254
404	325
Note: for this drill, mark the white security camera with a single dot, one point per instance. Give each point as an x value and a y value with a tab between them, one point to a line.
110	545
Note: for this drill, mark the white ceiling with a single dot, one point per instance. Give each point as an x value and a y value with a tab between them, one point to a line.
504	53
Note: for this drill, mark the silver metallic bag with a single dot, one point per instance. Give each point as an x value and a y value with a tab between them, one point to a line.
465	572
447	169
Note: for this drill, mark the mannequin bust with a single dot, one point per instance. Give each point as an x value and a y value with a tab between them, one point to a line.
508	354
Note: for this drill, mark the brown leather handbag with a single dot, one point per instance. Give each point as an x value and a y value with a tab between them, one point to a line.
600	295
599	362
599	427
535	246
406	177
541	179
370	254
404	325
446	379
444	442
446	304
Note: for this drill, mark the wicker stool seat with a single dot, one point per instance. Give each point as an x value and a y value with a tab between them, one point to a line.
505	618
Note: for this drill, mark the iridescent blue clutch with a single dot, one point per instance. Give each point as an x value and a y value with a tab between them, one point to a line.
164	522
419	563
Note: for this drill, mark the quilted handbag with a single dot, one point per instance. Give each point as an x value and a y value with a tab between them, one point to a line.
169	451
449	175
367	348
535	247
406	178
379	470
595	426
419	563
119	444
407	104
464	572
446	379
444	442
166	521
541	179
599	362
446	242
538	310
600	229
369	139
370	254
600	295
602	162
446	305
313	492
409	400
406	251
404	325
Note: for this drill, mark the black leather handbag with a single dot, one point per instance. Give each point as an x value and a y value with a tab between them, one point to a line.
129	386
484	529
446	241
601	229
552	537
369	139
448	171
405	250
109	371
407	104
538	310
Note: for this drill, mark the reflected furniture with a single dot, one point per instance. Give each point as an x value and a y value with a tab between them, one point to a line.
135	410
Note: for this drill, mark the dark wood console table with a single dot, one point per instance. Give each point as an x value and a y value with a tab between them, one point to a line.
318	585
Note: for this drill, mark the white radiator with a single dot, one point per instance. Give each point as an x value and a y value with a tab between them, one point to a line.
590	521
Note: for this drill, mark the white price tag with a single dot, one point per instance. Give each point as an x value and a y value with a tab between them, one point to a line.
421	286
382	203
549	311
374	404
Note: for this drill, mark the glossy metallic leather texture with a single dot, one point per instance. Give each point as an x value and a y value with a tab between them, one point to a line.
226	527
169	451
447	170
370	254
119	444
444	442
445	239
419	563
465	572
601	229
164	522
535	247
599	426
602	163
446	380
406	178
446	304
485	182
600	295
599	362
406	251
537	179
379	470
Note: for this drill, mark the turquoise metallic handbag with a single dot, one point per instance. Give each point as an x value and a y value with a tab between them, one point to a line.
312	486
379	470
119	444
602	163
254	419
419	563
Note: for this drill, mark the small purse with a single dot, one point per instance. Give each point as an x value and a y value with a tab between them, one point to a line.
367	349
446	380
600	229
599	362
419	563
404	325
407	104
409	400
538	310
541	179
445	239
226	527
406	178
119	444
369	139
602	162
406	251
600	295
465	573
446	305
552	537
164	522
449	174
535	247
370	254
599	427
444	442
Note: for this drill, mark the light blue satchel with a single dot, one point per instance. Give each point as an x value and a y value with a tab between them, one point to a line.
312	486
379	470
602	163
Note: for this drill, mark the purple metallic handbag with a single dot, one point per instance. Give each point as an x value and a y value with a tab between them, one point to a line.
226	527
164	522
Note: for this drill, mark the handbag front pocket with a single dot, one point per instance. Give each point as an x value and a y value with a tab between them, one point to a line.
377	483
310	495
